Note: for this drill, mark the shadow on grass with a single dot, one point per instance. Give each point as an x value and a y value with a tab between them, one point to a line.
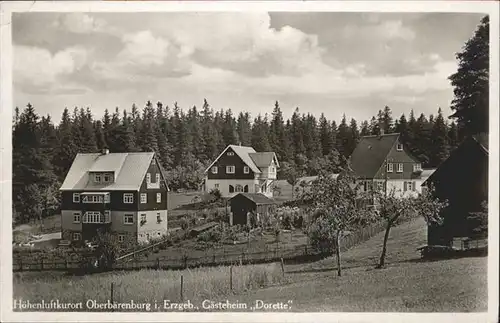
327	269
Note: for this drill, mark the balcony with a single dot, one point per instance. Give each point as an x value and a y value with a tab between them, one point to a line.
96	217
96	197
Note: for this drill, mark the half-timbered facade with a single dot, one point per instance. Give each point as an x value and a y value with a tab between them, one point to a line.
121	193
240	169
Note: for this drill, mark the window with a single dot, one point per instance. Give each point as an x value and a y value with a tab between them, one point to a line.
379	185
216	186
107	216
128	218
214	170
92	199
97	178
158	218
77	217
128	198
257	188
231	189
230	153
148	177
121	238
107	178
239	188
409	186
400	168
106	198
92	217
143	218
245	189
157	178
390	167
144	198
77	236
417	167
229	169
272	169
246	169
399	147
158	197
76	197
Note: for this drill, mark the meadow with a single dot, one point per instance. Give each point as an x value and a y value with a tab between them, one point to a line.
147	285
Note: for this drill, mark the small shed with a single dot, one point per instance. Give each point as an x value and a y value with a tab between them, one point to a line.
245	203
202	228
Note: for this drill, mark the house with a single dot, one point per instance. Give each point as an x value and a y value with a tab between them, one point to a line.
244	204
462	180
382	162
121	193
240	169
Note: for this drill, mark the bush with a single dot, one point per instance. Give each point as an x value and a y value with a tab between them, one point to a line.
184	224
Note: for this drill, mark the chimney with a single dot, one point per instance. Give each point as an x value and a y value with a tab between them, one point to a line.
105	151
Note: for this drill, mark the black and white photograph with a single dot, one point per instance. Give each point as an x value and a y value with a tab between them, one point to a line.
176	161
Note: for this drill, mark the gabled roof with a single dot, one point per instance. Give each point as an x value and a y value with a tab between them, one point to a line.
129	171
257	198
264	159
370	154
244	153
480	141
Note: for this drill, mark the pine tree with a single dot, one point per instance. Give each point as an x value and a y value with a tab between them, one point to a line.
387	122
311	137
353	137
374	126
229	133
99	135
296	134
260	139
244	128
280	142
148	132
440	146
365	129
325	135
453	135
209	130
343	138
471	82
87	133
66	149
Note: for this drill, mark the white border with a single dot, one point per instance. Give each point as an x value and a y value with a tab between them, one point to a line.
6	8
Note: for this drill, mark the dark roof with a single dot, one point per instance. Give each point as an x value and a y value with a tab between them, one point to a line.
370	153
257	198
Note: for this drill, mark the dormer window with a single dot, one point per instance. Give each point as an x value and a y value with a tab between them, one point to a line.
230	153
107	178
214	170
399	147
97	178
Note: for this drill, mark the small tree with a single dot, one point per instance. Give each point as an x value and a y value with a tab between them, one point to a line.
332	203
392	210
479	221
107	250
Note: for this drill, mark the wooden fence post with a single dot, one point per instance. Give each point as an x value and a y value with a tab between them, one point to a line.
231	278
20	264
241	258
305	249
185	261
41	263
112	292
66	264
182	288
157	263
282	267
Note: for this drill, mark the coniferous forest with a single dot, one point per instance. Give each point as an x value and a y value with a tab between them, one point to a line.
187	139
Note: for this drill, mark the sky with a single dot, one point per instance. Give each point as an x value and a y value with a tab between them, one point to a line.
330	62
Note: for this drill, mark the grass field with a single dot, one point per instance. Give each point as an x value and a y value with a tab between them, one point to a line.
147	285
406	285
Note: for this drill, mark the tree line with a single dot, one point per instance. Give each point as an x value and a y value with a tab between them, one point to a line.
186	141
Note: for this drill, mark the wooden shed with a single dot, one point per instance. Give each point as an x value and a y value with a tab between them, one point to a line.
462	180
245	203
